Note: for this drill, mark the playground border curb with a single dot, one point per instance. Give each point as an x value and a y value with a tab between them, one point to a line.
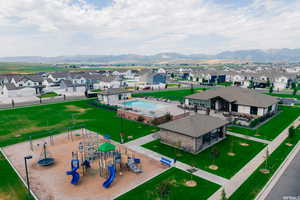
19	175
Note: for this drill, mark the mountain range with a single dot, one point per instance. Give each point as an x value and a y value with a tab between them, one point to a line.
256	55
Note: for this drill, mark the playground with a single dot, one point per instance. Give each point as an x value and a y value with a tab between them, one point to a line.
80	165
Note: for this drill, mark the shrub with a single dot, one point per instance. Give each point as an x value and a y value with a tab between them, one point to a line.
140	119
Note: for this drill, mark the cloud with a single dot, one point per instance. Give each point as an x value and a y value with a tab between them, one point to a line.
60	27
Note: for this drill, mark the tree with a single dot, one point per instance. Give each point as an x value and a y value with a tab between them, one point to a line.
271	89
164	189
192	89
292	132
293	85
251	84
166	86
267	157
268	84
197	79
172	75
223	195
295	91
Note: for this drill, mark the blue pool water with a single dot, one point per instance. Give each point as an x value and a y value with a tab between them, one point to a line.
142	104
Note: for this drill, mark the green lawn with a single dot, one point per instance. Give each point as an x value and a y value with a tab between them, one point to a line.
176	95
272	128
11	187
255	183
175	179
225	84
18	124
172	84
49	94
297	96
228	165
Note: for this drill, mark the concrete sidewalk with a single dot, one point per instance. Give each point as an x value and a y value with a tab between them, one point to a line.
248	137
239	178
200	173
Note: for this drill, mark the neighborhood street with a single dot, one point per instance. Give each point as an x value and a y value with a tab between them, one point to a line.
288	185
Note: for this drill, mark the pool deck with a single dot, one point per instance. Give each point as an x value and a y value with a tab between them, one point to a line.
166	107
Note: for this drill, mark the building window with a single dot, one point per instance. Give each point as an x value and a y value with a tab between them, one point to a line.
234	107
253	110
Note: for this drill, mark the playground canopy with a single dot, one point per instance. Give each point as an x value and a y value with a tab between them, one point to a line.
106	147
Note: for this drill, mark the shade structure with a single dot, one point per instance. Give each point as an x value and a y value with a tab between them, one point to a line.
106	147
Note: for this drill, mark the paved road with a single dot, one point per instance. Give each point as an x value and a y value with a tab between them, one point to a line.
44	101
288	187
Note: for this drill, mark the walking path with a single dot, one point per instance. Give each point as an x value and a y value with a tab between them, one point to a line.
230	186
248	137
180	165
239	178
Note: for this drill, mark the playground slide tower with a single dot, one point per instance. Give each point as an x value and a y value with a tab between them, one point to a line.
73	172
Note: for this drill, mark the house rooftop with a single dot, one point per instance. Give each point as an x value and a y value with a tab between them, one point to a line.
113	91
241	96
194	125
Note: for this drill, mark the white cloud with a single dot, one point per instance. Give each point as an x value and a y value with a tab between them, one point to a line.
54	27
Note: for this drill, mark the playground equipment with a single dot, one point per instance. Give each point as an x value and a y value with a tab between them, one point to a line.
45	157
75	175
111	177
131	162
109	158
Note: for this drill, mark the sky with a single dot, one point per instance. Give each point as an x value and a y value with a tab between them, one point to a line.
95	27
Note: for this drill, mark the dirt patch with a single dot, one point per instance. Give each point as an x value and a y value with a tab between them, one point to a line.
191	183
178	154
288	144
244	144
257	134
264	171
231	154
76	108
213	167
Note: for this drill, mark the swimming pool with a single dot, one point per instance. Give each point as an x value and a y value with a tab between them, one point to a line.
140	104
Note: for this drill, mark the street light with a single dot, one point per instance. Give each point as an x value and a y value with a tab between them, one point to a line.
26	169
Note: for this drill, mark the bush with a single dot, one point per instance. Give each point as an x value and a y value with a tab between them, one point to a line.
140	119
96	104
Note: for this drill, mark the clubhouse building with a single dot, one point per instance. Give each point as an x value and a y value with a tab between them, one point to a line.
234	100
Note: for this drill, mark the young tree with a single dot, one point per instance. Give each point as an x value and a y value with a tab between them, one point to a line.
223	195
192	89
267	158
292	132
271	89
295	91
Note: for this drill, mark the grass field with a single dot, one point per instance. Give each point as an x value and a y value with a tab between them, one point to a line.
39	121
228	165
175	95
49	94
176	189
297	96
254	184
13	67
11	187
272	128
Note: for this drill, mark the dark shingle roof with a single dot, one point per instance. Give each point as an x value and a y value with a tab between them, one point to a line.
194	125
112	91
238	95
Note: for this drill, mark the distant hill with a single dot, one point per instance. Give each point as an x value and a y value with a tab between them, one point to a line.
256	55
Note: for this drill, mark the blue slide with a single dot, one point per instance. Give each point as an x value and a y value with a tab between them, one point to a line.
73	172
111	177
